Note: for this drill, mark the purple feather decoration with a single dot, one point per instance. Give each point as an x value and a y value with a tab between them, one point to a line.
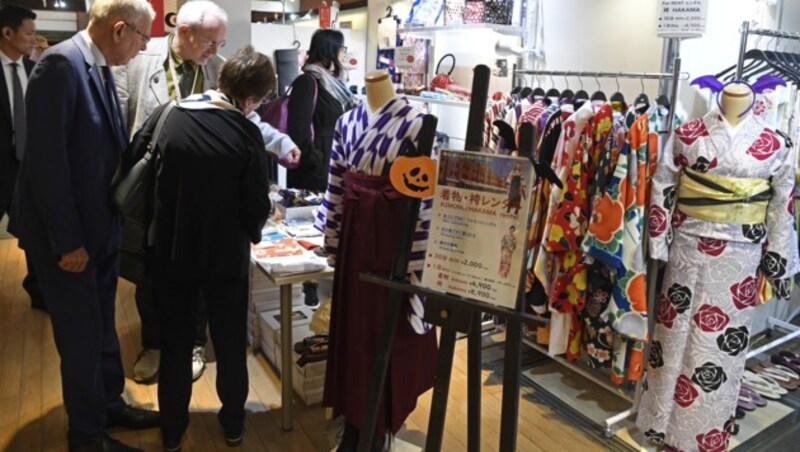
708	81
766	82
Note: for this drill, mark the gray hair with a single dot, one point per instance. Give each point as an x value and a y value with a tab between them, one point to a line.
194	12
127	10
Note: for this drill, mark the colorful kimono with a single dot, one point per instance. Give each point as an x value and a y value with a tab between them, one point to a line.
710	285
361	217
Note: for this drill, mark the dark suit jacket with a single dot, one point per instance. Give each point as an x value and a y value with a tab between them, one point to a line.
62	200
9	166
212	192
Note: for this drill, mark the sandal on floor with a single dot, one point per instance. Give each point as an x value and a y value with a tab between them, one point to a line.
766	388
782	360
745	402
739	413
753	395
771	372
789	355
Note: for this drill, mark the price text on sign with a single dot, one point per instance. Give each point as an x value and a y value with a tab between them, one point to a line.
682	18
478	230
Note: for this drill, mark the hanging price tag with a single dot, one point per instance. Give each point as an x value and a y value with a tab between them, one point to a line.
682	18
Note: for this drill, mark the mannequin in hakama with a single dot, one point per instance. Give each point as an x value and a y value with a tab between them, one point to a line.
361	217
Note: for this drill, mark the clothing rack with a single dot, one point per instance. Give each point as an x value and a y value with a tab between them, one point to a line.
746	31
676	76
601	380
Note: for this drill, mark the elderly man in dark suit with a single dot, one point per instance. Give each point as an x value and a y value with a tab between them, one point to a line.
17	41
63	216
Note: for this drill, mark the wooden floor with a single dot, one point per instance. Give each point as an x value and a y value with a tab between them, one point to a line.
32	416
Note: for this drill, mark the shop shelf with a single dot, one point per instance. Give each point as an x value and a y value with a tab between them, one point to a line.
502	29
448	102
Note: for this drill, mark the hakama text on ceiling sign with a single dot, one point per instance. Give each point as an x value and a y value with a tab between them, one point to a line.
682	18
478	230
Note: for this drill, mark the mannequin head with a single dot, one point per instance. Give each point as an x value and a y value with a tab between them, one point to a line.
379	89
735	101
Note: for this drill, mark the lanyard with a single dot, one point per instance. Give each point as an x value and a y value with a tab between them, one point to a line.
175	80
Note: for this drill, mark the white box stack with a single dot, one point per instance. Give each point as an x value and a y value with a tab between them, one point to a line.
264	296
270	325
309	380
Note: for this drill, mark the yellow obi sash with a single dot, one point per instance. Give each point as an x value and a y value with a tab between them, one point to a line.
723	199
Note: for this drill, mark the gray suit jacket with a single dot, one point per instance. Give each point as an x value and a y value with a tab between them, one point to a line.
142	84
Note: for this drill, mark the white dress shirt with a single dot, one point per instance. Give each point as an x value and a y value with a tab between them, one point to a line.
7	71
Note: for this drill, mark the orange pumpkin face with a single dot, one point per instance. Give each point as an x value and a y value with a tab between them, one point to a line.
414	177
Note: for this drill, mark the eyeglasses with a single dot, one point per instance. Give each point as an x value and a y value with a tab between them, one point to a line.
343	49
213	44
145	38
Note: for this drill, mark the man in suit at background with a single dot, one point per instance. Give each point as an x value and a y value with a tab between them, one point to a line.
63	216
17	41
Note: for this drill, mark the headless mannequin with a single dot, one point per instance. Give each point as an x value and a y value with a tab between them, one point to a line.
379	89
735	100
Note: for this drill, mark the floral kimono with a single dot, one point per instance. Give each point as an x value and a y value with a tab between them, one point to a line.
716	251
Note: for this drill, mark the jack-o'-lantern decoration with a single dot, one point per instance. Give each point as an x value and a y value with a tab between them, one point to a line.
414	177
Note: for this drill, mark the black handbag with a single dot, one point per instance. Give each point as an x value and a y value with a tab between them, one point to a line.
133	196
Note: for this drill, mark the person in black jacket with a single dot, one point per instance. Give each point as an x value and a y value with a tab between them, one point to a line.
318	98
311	124
212	202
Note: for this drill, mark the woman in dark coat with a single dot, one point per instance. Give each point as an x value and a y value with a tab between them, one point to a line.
317	99
211	203
311	123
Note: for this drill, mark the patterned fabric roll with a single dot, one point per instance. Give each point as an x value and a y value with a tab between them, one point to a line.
474	12
499	11
454	12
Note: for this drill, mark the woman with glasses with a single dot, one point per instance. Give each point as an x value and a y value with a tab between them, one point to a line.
212	202
318	97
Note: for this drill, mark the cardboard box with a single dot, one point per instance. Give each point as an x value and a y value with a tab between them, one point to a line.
271	331
297	213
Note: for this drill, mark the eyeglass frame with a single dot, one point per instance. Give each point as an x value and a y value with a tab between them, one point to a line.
144	37
212	44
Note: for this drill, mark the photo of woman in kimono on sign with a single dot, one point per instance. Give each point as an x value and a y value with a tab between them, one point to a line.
507	246
515	191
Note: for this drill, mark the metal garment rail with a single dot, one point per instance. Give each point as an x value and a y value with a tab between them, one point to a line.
747	31
675	77
605	74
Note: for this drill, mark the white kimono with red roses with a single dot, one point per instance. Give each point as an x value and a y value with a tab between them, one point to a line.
711	281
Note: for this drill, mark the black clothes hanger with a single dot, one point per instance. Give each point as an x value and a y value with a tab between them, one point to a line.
553	92
618	96
598	95
567	95
525	92
642	102
516	90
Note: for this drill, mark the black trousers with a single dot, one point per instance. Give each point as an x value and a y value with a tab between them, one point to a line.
149	315
82	312
177	287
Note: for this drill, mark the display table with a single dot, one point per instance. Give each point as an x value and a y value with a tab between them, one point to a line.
285	284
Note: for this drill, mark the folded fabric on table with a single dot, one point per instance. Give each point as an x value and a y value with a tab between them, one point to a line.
294	265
